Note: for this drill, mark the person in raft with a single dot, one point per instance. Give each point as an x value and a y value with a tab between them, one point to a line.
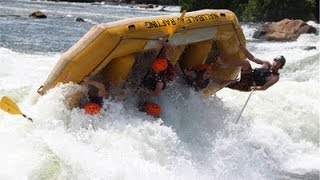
96	94
199	77
162	72
255	79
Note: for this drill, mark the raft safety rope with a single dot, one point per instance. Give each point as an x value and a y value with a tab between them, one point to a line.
141	38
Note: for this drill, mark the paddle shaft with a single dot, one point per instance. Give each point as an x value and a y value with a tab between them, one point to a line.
9	106
244	106
29	118
180	20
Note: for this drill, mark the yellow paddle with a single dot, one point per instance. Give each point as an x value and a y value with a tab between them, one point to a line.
173	30
11	107
180	21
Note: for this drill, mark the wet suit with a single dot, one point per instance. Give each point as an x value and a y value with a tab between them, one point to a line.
151	79
257	77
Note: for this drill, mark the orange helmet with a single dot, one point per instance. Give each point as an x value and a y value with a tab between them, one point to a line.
92	108
204	67
159	65
152	109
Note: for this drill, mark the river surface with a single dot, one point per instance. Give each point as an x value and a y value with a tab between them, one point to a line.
277	136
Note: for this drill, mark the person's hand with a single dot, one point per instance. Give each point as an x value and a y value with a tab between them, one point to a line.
221	63
164	41
254	88
242	46
85	81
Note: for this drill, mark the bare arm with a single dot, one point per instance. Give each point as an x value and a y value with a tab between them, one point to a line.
157	90
100	86
168	50
252	58
268	84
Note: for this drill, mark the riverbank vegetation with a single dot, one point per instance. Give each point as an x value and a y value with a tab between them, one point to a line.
260	10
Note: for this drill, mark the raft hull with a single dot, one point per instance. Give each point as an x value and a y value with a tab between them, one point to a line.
111	49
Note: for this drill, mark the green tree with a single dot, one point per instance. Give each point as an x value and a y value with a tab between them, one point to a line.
169	2
237	6
192	5
258	10
164	2
274	10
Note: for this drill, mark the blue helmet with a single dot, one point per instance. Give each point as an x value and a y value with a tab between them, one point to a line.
280	59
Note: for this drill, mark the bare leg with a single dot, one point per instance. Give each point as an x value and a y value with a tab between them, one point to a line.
244	64
245	69
223	84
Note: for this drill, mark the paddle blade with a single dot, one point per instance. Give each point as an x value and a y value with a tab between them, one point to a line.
180	22
9	106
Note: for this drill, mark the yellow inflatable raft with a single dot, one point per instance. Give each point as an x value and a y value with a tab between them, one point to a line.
112	50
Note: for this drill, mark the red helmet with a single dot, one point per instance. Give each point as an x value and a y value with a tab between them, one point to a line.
152	109
159	65
92	108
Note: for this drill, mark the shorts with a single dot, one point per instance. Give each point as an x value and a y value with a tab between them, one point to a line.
244	84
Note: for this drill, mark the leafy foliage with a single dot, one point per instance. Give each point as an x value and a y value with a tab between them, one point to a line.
258	10
167	2
273	10
246	10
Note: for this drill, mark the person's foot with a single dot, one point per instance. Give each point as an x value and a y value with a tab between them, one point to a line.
227	83
223	84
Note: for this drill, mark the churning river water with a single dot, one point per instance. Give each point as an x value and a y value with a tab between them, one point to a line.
277	136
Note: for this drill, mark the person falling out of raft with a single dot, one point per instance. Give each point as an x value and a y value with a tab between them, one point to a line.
199	77
96	93
156	79
161	73
255	79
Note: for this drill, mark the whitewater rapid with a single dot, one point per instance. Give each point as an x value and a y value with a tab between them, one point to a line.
277	136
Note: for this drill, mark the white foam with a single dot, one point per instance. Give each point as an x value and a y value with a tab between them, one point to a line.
278	130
